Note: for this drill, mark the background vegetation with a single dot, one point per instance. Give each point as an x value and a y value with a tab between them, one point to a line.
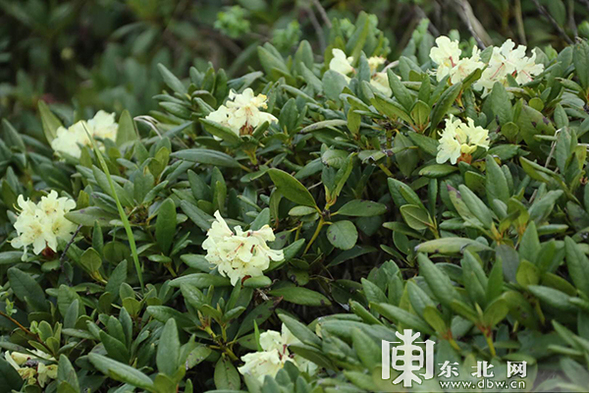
487	256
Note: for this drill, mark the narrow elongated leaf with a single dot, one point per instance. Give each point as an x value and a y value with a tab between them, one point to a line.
207	157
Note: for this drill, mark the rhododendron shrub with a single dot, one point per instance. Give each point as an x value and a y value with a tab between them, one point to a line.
266	232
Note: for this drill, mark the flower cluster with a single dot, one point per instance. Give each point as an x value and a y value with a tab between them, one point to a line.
241	113
274	355
505	60
240	254
459	140
32	368
343	65
41	224
69	140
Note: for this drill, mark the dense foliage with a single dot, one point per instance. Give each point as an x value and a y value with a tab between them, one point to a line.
297	215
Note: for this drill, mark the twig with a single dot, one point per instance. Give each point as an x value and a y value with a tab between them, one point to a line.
431	27
552	150
64	255
553	22
318	28
520	22
27	331
322	13
472	23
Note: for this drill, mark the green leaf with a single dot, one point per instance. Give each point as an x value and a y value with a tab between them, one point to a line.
121	372
207	157
476	206
66	374
416	217
91	260
434	318
496	183
553	297
299	330
451	245
400	92
168	349
200	218
165	225
495	312
400	316
303	296
9	377
127	131
226	375
437	170
444	103
367	350
291	188
500	103
390	108
359	208
437	281
201	280
171	81
50	122
578	265
220	131
27	289
10	257
581	61
342	234
12	137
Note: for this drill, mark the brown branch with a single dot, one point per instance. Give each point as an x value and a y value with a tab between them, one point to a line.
552	21
322	13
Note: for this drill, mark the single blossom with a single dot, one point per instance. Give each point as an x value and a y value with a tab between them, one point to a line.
466	66
69	140
460	140
446	55
380	81
375	62
35	371
241	113
274	355
41	225
240	254
341	64
508	60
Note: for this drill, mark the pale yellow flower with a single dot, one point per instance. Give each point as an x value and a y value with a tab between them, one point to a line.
466	66
240	254
374	62
446	55
508	60
69	140
341	64
380	81
40	225
37	371
241	113
103	125
274	355
459	139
